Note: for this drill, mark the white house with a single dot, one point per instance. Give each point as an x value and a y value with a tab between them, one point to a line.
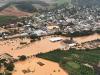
40	32
55	39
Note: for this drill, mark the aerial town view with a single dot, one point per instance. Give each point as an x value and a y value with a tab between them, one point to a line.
49	37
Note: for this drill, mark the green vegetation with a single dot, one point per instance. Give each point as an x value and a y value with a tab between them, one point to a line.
23	6
26	6
34	37
59	2
81	33
73	65
10	66
4	20
73	61
22	58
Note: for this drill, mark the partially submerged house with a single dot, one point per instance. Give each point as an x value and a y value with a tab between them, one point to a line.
7	57
3	33
55	39
39	32
69	43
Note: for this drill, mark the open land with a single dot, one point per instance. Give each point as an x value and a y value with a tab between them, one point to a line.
13	11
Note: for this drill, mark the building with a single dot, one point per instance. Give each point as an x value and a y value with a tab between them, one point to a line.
7	57
40	32
52	27
55	39
69	42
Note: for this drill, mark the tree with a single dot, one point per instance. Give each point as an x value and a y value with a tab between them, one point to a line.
58	33
22	58
1	73
33	36
10	66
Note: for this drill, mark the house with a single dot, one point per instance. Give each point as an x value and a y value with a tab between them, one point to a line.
2	30
55	39
70	20
40	32
67	44
53	27
70	42
7	57
4	33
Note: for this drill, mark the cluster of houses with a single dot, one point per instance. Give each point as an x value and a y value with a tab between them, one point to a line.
81	20
61	20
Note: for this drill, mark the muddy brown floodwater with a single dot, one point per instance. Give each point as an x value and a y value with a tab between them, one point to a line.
33	68
30	66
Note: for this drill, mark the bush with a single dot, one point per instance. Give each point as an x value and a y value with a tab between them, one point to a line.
58	33
22	58
33	36
10	67
1	73
4	20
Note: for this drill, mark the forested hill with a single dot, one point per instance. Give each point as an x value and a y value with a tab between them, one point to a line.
88	3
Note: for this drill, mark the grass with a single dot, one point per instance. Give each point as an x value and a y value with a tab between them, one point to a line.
73	65
6	19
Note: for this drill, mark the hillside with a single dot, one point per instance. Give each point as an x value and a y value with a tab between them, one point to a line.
13	11
20	7
25	8
88	3
79	2
44	3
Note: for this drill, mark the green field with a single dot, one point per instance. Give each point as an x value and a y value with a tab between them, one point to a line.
7	19
73	61
59	2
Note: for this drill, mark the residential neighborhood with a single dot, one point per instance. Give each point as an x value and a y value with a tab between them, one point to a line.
64	40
